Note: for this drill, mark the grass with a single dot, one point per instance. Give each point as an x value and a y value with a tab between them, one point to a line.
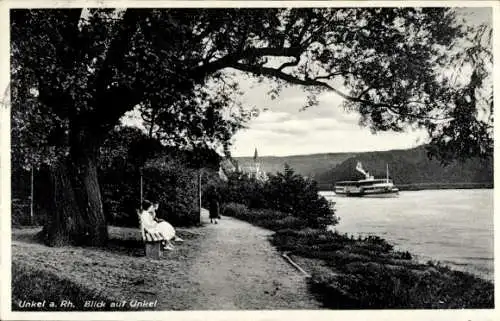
114	274
353	273
35	285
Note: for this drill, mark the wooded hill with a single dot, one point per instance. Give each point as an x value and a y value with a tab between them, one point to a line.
307	165
407	166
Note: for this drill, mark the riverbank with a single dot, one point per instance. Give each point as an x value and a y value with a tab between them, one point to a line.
439	186
366	272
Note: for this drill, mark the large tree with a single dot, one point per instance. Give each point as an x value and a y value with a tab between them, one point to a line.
75	73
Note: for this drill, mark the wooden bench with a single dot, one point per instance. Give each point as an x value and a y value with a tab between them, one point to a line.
152	241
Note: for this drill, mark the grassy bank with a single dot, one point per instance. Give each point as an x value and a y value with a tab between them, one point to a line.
349	273
50	291
117	277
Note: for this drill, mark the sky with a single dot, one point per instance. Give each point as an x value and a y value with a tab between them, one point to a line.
285	130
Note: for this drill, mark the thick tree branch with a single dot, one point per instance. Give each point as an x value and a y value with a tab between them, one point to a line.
293	63
365	91
231	58
329	76
122	99
272	72
293	79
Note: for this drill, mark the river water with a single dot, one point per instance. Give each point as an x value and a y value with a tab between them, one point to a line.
454	227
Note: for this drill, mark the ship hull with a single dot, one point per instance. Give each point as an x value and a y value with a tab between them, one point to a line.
391	194
374	193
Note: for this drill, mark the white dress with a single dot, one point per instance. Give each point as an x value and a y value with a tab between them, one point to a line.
166	230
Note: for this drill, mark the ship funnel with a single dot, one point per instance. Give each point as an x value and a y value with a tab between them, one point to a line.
359	168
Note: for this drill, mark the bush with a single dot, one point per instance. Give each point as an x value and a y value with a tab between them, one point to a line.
288	222
377	286
20	212
285	192
273	220
292	193
120	190
164	180
245	190
368	273
174	187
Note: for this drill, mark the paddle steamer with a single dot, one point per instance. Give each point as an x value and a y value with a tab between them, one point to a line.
368	187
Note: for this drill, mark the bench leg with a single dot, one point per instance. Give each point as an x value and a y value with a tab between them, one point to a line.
153	250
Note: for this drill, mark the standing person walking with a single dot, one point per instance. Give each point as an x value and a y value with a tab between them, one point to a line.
213	206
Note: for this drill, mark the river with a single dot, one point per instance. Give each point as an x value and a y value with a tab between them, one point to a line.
454	227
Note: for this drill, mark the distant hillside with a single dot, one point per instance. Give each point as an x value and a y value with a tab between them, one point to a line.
307	165
407	166
411	166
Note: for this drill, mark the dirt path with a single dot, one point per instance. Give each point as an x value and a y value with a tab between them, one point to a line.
226	266
237	268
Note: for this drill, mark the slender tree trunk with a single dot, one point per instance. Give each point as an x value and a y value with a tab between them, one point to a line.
75	206
151	126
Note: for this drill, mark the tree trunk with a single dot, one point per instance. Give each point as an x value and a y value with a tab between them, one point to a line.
74	204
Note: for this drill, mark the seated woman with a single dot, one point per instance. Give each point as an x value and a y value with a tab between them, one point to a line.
156	225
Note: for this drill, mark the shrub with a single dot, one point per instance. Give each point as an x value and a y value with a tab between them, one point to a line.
120	190
270	219
235	210
21	194
285	192
377	286
174	187
292	193
20	212
164	180
368	273
244	189
288	222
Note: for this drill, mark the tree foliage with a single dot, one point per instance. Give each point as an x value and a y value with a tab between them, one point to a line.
385	62
468	132
76	72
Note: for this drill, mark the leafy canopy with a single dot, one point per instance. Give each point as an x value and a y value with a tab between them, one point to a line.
79	71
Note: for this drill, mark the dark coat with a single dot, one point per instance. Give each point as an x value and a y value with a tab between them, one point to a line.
213	207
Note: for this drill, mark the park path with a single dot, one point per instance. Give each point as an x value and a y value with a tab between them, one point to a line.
237	268
228	266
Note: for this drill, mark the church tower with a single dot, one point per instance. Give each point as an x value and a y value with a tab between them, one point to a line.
256	163
257	171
